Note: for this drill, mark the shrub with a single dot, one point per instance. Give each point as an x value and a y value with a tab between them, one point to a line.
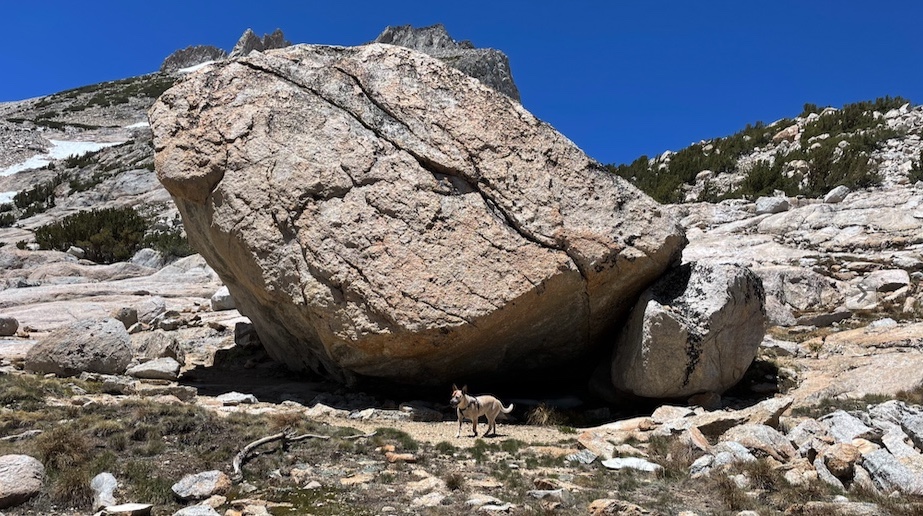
171	242
663	179
40	197
855	123
916	171
765	178
544	415
108	235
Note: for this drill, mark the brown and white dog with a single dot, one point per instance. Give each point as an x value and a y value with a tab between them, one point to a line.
473	407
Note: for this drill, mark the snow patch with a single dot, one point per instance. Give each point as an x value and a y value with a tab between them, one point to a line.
7	197
138	125
193	68
60	149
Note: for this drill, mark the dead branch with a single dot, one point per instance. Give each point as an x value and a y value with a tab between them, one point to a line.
248	450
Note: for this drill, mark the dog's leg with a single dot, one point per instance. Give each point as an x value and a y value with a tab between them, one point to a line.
461	420
474	424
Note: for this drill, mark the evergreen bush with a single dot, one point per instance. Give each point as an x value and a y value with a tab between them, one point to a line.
108	235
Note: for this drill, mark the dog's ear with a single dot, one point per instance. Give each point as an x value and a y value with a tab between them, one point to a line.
464	389
454	387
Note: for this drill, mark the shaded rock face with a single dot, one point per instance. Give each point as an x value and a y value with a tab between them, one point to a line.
378	213
487	65
696	330
191	56
250	42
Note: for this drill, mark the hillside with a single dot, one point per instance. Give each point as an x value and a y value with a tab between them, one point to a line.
865	144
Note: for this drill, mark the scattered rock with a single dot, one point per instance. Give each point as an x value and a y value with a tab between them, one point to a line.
790	134
8	326
83	346
837	195
844	427
21	478
890	475
201	485
614	507
762	438
197	510
841	459
222	300
635	463
582	457
150	309
158	369
128	509
400	457
126	315
766	205
886	280
151	345
236	398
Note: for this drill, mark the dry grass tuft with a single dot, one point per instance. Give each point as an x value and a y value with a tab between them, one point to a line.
543	415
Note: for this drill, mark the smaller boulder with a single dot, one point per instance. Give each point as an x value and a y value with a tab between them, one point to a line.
21	478
150	309
840	459
837	195
129	509
789	134
769	205
126	315
197	510
201	485
150	345
158	369
148	257
764	439
8	326
88	345
230	399
694	331
222	300
77	252
885	281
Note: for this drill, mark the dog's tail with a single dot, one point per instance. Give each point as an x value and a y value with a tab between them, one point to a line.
506	410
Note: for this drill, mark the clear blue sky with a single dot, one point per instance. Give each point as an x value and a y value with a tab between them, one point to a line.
619	78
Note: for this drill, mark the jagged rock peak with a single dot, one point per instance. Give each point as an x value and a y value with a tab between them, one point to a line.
191	56
424	38
249	42
488	65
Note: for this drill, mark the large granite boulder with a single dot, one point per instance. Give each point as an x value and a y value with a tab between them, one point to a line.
378	213
696	330
488	65
92	346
